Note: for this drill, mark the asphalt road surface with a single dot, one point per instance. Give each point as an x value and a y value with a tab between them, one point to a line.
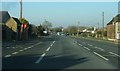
61	52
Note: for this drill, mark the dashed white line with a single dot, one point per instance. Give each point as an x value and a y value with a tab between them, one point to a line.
8	56
95	47
51	45
29	47
13	47
86	48
101	49
80	44
15	53
90	45
8	47
53	42
20	50
48	49
41	57
114	54
25	48
101	56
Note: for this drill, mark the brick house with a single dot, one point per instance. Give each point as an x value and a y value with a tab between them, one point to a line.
10	26
113	28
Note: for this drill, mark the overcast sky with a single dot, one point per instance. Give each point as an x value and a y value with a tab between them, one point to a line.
64	13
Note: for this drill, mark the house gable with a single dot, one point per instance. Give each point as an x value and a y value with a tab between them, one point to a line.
12	24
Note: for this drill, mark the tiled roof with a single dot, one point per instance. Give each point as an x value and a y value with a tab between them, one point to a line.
18	22
4	16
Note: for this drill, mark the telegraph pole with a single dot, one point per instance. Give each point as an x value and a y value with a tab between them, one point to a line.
98	26
119	7
20	10
103	24
78	30
21	29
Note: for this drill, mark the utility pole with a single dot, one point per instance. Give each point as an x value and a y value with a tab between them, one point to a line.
119	7
103	24
20	10
98	26
78	30
21	30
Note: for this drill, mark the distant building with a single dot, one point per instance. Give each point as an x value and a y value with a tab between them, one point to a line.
113	28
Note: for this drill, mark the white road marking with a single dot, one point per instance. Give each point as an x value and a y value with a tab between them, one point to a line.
8	56
101	56
32	46
13	47
90	45
86	48
53	42
80	44
41	57
51	45
29	47
114	54
8	47
25	48
101	49
20	50
48	49
15	53
95	47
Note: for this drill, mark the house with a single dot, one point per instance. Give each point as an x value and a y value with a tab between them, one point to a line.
10	26
15	25
113	28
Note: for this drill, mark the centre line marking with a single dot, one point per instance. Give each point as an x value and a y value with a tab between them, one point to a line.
95	47
53	42
20	50
86	48
48	49
51	45
41	57
8	56
101	49
29	47
90	45
101	56
25	48
80	44
15	53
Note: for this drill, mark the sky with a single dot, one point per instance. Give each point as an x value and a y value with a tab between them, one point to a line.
64	13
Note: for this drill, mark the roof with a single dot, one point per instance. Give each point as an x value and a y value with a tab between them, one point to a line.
110	22
4	16
115	19
17	21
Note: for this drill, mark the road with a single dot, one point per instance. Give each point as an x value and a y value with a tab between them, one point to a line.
61	52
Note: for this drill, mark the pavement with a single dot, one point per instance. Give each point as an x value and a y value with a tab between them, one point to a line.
61	53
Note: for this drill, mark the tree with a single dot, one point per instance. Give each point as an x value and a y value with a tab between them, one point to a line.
47	25
57	29
40	30
71	30
24	21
